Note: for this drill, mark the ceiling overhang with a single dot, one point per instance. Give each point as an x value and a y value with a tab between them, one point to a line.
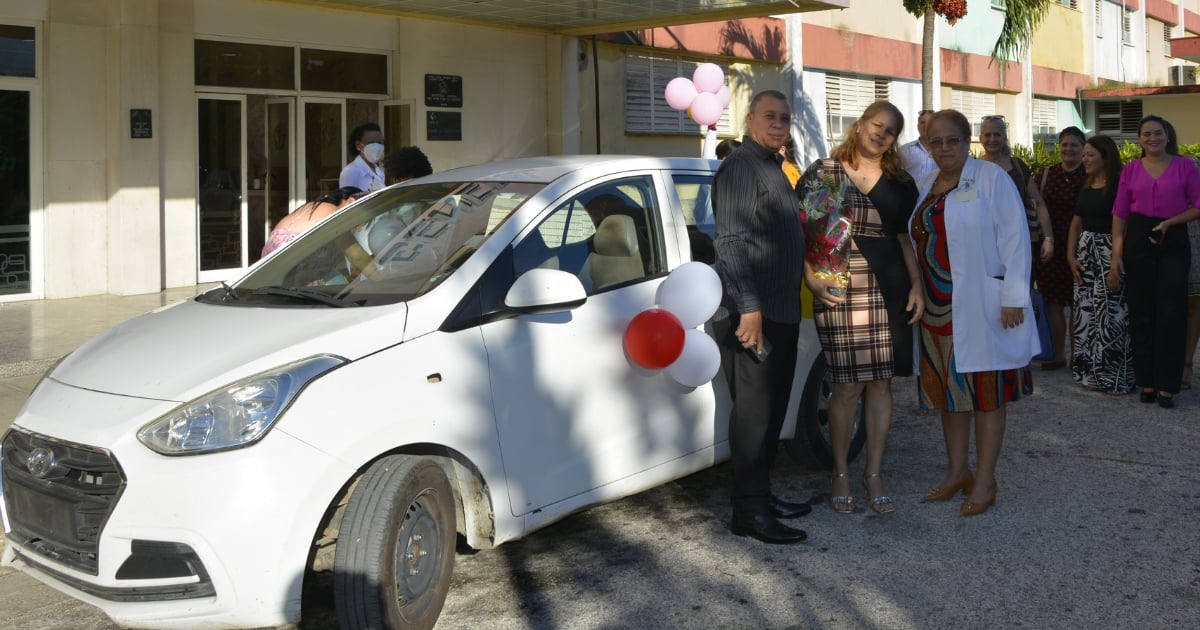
577	17
1186	48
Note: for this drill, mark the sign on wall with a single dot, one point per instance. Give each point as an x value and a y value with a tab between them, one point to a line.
139	124
441	125
443	90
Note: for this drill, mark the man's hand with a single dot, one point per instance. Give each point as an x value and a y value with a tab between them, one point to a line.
749	330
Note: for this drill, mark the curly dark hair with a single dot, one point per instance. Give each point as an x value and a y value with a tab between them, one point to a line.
406	163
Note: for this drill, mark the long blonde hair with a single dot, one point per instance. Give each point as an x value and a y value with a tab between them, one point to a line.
847	151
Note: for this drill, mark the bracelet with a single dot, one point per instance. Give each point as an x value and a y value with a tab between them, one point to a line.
1049	239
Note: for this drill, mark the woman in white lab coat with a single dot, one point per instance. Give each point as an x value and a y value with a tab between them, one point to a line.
977	335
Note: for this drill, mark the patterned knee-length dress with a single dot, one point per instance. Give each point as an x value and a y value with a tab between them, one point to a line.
859	339
941	385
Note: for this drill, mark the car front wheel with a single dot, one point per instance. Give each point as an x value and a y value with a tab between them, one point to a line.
395	551
810	445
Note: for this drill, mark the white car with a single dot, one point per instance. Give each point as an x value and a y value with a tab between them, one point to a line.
443	356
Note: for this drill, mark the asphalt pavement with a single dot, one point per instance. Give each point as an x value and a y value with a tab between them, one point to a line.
1095	526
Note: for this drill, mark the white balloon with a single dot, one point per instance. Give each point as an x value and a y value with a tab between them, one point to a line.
692	293
698	363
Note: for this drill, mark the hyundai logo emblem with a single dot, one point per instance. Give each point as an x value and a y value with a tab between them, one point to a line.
40	462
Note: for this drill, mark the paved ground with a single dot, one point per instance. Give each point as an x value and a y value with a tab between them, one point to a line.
1095	527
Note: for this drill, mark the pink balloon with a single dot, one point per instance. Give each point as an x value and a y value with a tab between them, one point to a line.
706	109
723	96
680	93
708	77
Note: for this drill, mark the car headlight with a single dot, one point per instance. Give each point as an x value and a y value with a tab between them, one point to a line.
236	415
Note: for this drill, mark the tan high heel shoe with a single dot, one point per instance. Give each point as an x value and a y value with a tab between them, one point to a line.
971	508
882	504
842	504
945	493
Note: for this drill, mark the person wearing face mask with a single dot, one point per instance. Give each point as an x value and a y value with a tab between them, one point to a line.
364	172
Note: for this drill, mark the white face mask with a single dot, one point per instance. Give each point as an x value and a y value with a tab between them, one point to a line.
373	152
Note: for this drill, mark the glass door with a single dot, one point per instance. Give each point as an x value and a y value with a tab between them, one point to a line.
221	200
15	193
322	147
277	181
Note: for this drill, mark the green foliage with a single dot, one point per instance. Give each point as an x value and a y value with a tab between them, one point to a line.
1021	20
918	7
1038	156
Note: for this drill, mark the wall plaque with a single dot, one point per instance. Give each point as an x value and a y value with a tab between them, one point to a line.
441	125
443	90
139	124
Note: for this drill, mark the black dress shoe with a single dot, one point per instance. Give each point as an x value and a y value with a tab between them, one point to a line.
1147	396
1165	401
787	509
764	527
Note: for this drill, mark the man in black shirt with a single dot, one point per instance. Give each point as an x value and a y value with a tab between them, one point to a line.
760	258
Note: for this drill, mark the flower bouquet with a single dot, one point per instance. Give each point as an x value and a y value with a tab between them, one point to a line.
825	215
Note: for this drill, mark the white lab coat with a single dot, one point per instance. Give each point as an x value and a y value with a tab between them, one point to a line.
359	175
987	238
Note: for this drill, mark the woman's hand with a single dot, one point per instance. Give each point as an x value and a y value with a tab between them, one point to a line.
1113	279
821	288
916	303
1011	317
1076	268
1047	249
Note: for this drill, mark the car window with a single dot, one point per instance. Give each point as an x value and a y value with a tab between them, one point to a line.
695	197
607	236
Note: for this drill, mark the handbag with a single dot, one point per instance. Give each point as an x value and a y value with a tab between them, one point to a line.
1042	319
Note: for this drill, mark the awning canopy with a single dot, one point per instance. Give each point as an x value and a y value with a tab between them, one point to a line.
578	17
1186	48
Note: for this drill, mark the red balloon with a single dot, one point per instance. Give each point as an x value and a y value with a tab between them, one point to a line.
654	339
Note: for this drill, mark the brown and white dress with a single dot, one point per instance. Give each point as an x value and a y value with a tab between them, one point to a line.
868	338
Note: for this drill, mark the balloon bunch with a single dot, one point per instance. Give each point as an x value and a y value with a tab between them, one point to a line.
705	96
666	336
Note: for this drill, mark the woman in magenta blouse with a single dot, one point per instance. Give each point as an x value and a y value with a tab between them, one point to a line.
1158	194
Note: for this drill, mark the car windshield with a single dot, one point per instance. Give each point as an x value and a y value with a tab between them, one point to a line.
389	247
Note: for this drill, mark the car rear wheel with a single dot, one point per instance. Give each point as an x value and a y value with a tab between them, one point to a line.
395	551
810	445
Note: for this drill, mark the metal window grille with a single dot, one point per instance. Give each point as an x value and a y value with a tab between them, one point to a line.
846	97
646	109
1045	119
1118	119
973	105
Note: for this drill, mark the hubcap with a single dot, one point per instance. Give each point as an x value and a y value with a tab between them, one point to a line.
417	552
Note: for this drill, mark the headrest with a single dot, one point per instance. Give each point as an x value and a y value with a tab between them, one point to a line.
616	236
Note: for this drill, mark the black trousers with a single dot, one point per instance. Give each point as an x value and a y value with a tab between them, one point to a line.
1156	277
760	394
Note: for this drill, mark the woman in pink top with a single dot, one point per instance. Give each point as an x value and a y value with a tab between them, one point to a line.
1158	194
308	215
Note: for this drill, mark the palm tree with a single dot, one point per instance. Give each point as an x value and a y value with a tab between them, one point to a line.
1021	19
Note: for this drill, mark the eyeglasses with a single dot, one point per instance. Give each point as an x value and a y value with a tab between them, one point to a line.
994	117
951	142
925	111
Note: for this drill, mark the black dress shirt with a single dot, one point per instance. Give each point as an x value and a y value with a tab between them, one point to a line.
760	244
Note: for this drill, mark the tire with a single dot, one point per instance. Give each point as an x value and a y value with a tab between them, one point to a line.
395	549
810	445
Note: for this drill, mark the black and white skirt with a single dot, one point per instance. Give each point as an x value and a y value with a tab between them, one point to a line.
1102	357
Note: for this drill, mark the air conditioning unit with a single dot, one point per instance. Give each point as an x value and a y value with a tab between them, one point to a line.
1183	75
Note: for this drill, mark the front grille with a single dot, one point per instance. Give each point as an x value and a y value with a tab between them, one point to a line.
58	495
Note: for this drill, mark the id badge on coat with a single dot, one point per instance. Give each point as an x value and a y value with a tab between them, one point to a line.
964	196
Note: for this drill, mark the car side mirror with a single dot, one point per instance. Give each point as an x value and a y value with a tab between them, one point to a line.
545	291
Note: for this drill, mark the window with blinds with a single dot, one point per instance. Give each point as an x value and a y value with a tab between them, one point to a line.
973	105
1167	40
846	98
646	109
1099	18
1045	119
1118	119
1070	4
1126	26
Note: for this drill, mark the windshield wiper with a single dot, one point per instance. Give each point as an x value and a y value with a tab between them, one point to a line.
300	293
230	296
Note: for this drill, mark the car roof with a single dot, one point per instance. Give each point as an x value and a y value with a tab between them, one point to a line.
549	168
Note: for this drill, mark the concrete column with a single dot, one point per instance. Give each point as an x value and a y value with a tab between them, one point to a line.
175	129
134	210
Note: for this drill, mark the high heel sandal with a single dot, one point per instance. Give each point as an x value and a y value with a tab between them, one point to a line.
842	504
971	508
882	504
945	493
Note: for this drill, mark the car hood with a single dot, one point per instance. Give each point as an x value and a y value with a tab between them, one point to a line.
181	351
